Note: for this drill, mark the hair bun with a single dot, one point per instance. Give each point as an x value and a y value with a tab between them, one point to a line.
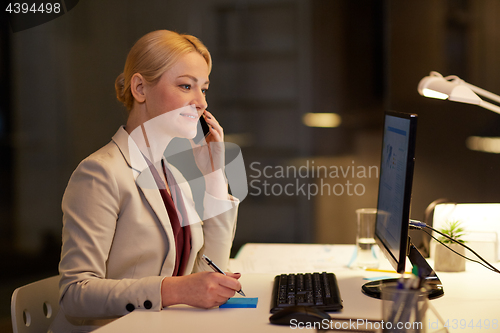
119	87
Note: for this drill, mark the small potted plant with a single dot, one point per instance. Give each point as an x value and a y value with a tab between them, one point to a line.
444	259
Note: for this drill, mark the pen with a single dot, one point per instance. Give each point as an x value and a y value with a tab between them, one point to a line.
218	270
383	270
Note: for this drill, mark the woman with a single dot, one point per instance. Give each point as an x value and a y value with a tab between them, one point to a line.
131	235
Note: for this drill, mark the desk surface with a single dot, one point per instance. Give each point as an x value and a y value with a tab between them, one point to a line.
470	297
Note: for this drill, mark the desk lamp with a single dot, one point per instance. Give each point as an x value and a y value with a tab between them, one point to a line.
455	89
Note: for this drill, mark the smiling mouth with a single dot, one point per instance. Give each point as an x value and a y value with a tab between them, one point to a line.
190	115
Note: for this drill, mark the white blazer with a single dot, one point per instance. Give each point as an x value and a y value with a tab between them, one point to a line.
118	243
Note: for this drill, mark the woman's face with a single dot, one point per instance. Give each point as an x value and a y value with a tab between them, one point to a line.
185	84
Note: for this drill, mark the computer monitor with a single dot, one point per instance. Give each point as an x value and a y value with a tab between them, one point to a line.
394	199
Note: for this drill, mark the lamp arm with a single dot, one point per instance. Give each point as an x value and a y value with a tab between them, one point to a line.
482	92
490	106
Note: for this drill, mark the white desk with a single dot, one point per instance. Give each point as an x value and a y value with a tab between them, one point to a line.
471	295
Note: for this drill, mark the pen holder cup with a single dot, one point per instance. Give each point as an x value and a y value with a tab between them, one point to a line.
404	310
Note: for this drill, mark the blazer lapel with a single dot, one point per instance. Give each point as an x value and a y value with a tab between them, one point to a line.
147	185
154	199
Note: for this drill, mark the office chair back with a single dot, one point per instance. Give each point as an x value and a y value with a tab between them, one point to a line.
34	306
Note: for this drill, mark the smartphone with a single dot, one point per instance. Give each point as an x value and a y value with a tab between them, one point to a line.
203	130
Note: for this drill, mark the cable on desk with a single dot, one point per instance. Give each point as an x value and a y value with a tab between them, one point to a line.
414	224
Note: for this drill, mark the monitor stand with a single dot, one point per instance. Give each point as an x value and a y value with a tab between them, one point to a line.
435	287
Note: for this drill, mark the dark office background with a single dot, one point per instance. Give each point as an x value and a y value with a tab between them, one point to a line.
273	62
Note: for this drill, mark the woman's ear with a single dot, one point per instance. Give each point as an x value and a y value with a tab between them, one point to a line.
137	84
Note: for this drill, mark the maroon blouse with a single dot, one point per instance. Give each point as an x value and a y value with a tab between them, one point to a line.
176	212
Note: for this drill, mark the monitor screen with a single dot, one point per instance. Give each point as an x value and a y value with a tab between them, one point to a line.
396	175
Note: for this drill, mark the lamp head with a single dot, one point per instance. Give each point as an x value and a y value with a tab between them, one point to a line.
451	87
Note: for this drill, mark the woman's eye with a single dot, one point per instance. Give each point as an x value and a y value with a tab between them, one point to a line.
204	91
185	86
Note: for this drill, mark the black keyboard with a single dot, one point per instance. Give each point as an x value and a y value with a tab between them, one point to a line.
319	290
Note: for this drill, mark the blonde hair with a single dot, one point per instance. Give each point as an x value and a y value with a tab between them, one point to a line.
154	54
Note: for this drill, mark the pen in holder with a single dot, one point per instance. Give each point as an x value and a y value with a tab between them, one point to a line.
404	309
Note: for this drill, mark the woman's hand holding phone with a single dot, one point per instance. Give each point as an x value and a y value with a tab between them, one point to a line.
209	153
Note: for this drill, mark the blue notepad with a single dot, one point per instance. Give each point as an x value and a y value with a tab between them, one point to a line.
241	302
